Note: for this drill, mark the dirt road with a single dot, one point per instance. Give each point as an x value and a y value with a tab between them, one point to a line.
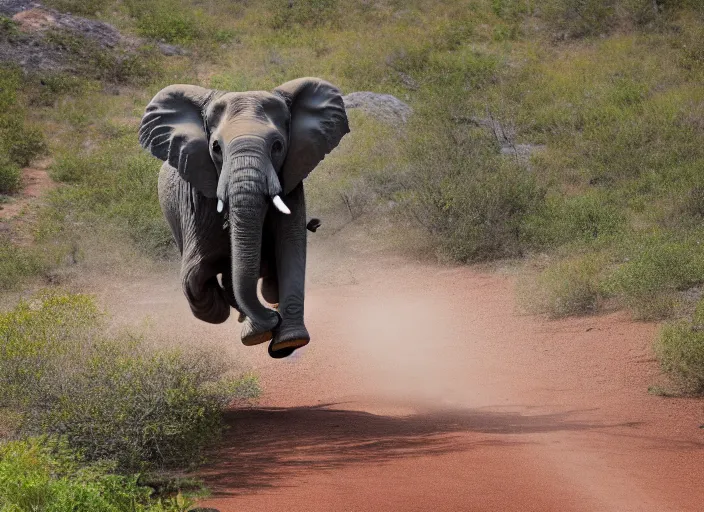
423	389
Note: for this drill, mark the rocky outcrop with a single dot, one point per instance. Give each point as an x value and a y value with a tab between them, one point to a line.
29	47
385	107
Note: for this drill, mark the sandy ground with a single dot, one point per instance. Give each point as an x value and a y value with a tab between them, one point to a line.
423	389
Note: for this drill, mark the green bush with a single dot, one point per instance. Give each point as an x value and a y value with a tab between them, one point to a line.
10	176
658	267
39	475
580	17
680	350
111	397
582	218
170	21
285	14
19	142
567	287
17	263
474	203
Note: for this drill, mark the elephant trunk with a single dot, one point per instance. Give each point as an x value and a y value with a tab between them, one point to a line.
248	190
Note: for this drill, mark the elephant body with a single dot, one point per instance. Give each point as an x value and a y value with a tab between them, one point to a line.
248	152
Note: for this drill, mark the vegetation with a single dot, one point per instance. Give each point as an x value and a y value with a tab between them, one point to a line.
113	396
680	349
38	475
19	141
566	132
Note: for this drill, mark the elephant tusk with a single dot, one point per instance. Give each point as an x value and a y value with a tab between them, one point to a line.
281	206
221	205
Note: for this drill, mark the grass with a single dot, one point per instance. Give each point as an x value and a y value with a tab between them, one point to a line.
609	89
116	396
42	475
20	142
610	92
680	350
565	288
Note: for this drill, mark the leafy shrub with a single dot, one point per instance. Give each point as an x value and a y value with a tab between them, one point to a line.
39	475
580	17
111	397
19	143
474	204
308	13
10	176
567	287
680	349
46	89
8	27
17	263
583	218
657	269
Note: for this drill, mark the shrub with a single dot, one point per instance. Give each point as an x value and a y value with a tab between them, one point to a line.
166	21
580	17
658	267
308	13
10	176
40	475
111	397
565	288
583	218
680	350
19	142
17	263
48	88
473	204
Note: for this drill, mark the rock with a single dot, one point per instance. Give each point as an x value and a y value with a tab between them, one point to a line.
12	7
384	107
505	136
170	50
521	151
408	81
40	19
31	50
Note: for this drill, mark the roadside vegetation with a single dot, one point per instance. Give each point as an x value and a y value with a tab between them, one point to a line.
104	406
566	135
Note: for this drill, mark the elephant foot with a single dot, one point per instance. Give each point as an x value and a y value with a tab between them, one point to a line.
254	335
286	341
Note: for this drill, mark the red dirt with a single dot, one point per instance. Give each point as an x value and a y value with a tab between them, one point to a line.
423	389
35	183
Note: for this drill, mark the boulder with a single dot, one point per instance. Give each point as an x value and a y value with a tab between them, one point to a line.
385	107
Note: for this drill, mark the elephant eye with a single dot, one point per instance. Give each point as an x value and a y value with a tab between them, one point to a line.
277	147
216	147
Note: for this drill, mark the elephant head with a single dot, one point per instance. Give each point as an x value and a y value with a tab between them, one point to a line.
248	150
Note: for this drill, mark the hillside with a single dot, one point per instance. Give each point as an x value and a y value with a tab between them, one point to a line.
568	136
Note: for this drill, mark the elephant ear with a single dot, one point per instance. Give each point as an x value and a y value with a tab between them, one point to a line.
173	130
318	123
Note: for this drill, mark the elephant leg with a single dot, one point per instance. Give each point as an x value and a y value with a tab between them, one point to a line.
204	294
290	255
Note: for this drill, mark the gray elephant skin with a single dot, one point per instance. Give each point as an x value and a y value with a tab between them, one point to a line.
231	189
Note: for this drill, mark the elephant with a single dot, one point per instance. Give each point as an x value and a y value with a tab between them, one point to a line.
228	158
